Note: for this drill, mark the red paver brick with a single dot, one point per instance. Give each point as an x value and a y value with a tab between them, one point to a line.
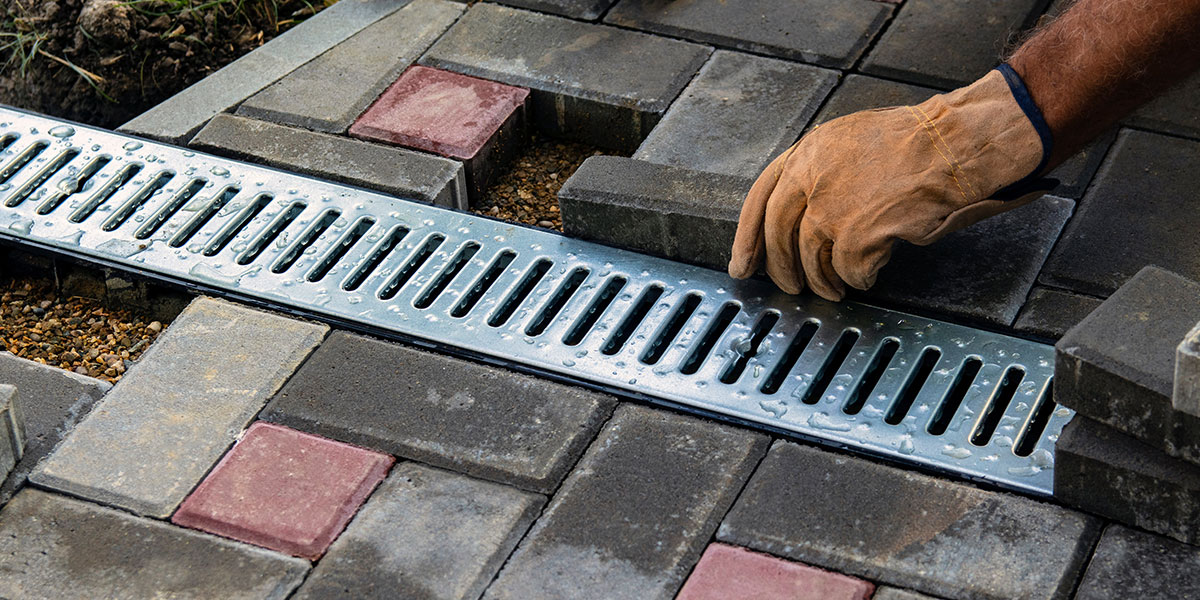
441	112
283	489
726	572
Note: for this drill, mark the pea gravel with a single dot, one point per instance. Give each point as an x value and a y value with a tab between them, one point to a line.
528	192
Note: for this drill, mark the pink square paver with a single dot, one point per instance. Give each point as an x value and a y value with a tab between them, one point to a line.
728	572
285	490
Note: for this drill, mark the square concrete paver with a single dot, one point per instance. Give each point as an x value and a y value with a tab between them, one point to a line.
732	572
285	490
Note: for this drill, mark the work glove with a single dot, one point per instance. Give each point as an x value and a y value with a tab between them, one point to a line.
829	209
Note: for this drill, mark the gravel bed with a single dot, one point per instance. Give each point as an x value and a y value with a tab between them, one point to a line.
528	192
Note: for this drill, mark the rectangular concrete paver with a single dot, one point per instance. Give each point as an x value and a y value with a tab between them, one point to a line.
908	529
397	171
634	516
1132	564
467	417
330	91
830	33
891	593
1050	313
12	430
57	547
1185	396
720	123
1175	112
172	416
732	572
571	68
182	115
425	534
588	10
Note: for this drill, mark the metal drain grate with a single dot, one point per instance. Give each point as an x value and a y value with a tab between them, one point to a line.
947	397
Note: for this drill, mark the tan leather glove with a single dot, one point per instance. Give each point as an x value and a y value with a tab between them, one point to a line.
830	208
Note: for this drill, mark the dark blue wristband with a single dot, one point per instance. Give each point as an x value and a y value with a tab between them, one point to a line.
1034	114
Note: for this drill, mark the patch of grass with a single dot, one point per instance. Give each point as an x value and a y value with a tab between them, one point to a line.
22	43
260	11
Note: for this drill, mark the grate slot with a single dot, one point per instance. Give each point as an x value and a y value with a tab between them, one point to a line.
40	178
74	185
103	194
997	405
875	369
716	328
307	239
169	209
235	227
197	222
270	232
955	395
483	284
1039	418
747	348
341	248
632	319
377	256
792	354
833	361
133	204
7	140
666	334
518	294
414	263
913	385
557	301
15	165
604	298
443	279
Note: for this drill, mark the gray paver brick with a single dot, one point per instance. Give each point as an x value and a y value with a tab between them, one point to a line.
1185	396
1049	313
330	91
653	208
1101	470
56	547
1138	212
52	401
425	534
830	33
1176	111
891	593
174	414
907	529
1132	564
589	10
635	515
983	272
737	114
568	67
396	171
948	43
176	119
12	429
467	417
1117	366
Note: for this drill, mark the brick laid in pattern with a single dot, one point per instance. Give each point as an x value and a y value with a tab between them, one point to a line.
1049	313
831	33
588	10
569	67
737	114
731	572
634	516
285	490
396	171
908	529
12	430
329	92
1185	396
891	593
1132	564
948	43
179	117
425	534
57	547
1175	112
446	412
175	412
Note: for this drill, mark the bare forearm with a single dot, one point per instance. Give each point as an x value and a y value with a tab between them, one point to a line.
1102	59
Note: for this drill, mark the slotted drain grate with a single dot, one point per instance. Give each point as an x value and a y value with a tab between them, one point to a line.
944	396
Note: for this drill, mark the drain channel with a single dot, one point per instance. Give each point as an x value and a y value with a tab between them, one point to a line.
946	397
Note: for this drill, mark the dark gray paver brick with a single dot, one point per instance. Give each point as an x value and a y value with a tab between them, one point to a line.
576	9
12	429
179	117
830	33
425	534
477	419
1185	396
157	433
948	43
983	272
635	515
1049	313
737	114
1132	564
891	593
569	67
1118	365
1139	211
57	547
908	529
654	208
396	171
1177	111
330	91
860	92
52	401
1101	470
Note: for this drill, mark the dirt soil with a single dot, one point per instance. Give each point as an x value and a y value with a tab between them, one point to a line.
127	55
528	192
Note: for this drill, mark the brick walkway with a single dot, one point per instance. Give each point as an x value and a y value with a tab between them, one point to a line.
292	460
